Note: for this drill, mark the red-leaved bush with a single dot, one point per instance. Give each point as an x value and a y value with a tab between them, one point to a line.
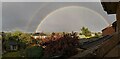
63	46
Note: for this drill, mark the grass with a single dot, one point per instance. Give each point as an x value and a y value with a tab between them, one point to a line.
11	54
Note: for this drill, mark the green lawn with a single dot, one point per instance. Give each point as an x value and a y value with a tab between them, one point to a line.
12	54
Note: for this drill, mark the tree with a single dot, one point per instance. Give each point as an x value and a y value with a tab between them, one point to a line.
5	41
6	36
18	37
85	31
22	38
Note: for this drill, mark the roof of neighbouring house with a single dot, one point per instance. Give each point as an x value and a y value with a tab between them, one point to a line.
12	43
39	34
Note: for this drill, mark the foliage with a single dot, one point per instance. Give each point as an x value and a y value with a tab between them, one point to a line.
85	31
34	52
18	37
6	40
97	35
7	36
24	37
16	33
64	46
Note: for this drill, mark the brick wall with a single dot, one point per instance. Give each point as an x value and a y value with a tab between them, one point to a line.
108	31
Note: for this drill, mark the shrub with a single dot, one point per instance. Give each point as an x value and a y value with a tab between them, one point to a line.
35	52
65	45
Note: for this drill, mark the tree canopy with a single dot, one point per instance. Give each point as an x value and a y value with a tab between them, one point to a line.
18	37
85	31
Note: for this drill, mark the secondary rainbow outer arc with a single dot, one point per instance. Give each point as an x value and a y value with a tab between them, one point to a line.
37	30
31	18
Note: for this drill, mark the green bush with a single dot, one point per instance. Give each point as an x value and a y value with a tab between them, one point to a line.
35	52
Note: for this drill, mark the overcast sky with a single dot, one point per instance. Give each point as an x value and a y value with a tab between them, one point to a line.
59	0
0	16
26	16
50	0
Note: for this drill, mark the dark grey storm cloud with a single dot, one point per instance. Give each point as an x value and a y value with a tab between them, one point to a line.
26	16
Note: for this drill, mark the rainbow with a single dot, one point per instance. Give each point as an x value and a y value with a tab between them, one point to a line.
59	9
34	14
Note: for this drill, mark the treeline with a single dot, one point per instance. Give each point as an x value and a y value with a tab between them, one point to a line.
63	46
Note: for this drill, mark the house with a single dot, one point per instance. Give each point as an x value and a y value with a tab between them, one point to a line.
38	38
110	29
13	45
110	48
38	35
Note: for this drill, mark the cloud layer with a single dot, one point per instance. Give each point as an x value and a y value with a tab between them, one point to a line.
26	16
